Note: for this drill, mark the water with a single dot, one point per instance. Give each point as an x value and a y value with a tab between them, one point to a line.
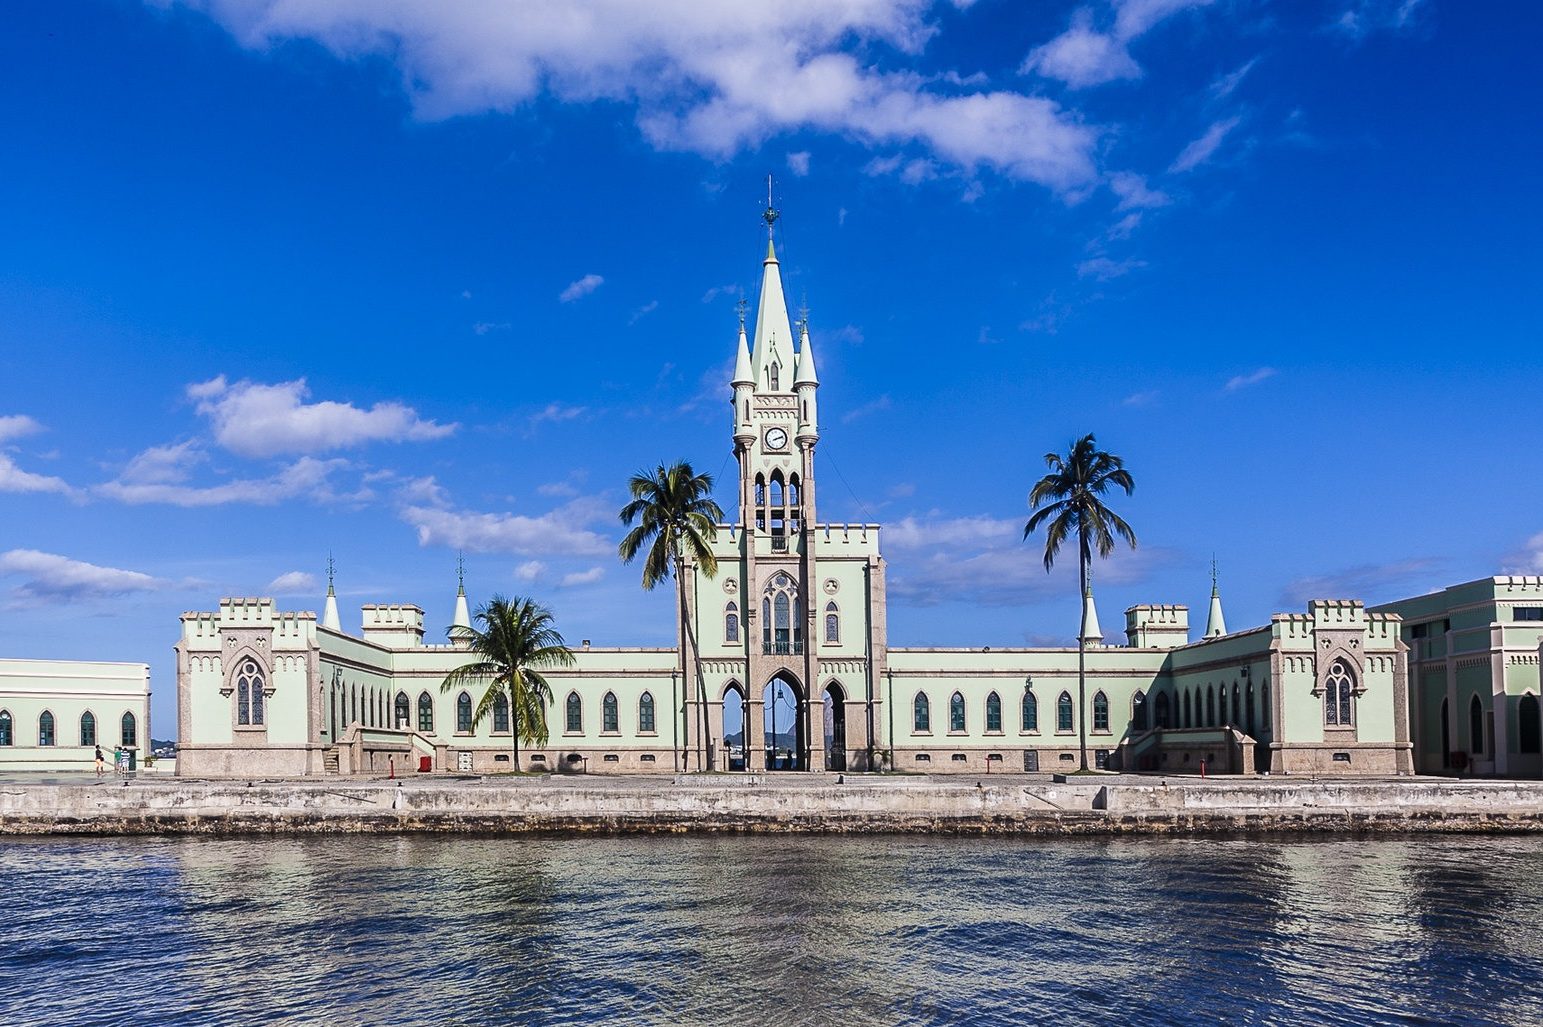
783	931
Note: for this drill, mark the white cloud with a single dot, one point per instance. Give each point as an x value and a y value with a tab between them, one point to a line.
559	532
1134	193
1123	228
1084	55
529	571
484	327
306	478
581	288
1243	381
54	578
1363	17
711	78
721	290
1141	399
1104	269
643	311
292	583
1372	583
14	479
798	163
161	465
15	426
588	577
556	413
1226	85
256	420
873	406
1201	150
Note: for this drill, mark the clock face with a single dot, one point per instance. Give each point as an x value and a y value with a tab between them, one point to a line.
776	438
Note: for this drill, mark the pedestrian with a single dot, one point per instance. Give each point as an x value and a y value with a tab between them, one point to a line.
101	767
118	760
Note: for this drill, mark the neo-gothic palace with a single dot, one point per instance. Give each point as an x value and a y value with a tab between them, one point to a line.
1444	682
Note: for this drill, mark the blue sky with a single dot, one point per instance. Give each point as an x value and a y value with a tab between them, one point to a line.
389	280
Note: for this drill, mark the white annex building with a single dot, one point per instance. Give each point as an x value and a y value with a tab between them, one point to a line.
797	610
54	713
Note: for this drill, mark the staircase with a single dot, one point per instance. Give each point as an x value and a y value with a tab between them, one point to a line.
329	760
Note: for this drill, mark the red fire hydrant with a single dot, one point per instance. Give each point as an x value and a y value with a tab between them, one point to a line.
1202	768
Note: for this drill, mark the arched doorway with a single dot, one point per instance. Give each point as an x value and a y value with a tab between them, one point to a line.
785	742
735	707
835	727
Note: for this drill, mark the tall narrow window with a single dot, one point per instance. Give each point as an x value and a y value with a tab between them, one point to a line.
1476	727
1221	705
46	729
782	609
500	714
994	712
772	377
1030	710
1264	704
1100	712
1210	706
574	719
1188	712
922	713
5	728
832	624
731	623
463	713
1235	709
1248	708
88	728
425	713
1063	712
1138	711
956	712
249	693
646	714
609	720
1529	731
404	712
129	732
1337	692
1162	716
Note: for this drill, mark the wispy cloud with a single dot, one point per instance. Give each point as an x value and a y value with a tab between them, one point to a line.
1085	55
256	420
559	532
555	413
721	290
1140	399
1373	583
16	426
292	583
484	327
529	571
1204	148
1243	381
12	477
642	312
51	578
1134	193
580	288
873	406
588	577
1104	269
1361	18
1225	85
1527	559
159	480
798	163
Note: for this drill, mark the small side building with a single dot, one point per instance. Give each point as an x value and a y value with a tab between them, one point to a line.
54	713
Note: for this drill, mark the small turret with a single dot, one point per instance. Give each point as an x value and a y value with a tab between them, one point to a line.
743	385
1092	634
329	615
462	618
805	382
1215	624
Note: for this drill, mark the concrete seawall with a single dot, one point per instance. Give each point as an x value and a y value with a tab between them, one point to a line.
810	805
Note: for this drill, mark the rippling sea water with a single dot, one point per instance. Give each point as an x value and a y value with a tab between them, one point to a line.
769	930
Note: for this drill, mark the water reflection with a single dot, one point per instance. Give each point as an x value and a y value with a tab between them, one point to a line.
430	930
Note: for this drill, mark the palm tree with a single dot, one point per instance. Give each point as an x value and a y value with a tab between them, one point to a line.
514	645
677	519
1068	498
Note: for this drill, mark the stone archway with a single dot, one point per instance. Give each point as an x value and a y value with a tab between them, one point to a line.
835	727
734	725
784	706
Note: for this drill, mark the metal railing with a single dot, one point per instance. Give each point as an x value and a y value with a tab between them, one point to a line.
782	648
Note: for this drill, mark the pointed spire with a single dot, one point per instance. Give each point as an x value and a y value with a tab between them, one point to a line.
1215	624
329	613
462	618
773	340
742	372
806	373
1091	632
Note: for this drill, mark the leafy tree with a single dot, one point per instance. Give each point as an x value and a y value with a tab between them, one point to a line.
1068	502
515	643
672	513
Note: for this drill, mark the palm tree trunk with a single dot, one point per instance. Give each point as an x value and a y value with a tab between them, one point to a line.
690	636
1082	651
514	729
680	595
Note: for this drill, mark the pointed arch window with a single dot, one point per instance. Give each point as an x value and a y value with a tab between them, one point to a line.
781	634
731	623
1476	727
1338	690
88	728
994	713
921	713
1030	712
1186	721
956	712
772	376
46	728
249	693
1248	709
1100	712
1138	711
129	734
1063	712
610	720
1236	709
404	712
1210	705
425	713
1264	696
6	737
500	714
1162	712
1529	729
646	714
573	720
832	624
463	713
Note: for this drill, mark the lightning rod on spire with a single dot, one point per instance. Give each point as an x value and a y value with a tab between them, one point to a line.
772	213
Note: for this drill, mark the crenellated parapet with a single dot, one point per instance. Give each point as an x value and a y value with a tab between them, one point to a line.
1157	626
